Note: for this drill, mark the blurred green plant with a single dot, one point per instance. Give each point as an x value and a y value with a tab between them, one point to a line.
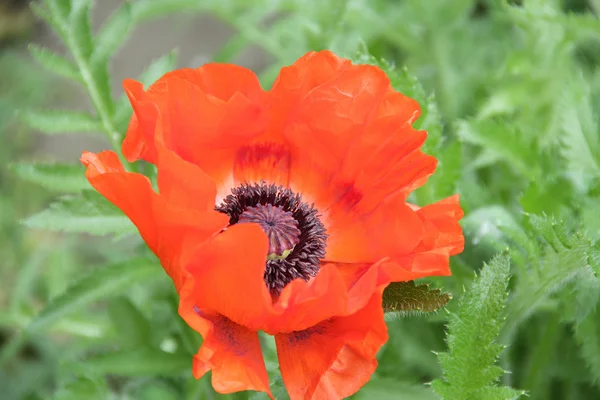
510	93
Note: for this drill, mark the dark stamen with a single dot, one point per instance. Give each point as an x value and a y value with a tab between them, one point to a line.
296	235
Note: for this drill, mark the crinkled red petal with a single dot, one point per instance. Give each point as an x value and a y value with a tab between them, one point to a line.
335	358
231	351
169	228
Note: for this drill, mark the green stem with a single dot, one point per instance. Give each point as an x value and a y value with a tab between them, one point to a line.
100	104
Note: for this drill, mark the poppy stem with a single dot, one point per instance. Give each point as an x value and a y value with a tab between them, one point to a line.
88	68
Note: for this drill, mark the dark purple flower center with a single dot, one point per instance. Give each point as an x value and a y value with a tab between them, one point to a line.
279	225
296	235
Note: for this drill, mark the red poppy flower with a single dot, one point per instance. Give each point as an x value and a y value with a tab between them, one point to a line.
282	211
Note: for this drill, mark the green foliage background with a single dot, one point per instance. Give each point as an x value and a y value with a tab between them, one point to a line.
510	92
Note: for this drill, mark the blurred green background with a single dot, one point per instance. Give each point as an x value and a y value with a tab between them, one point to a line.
510	92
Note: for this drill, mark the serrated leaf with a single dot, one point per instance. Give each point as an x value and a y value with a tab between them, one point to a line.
587	335
550	195
55	63
406	297
499	393
469	365
89	213
581	146
580	296
98	285
80	30
56	177
53	122
63	6
501	140
112	34
54	14
563	259
139	362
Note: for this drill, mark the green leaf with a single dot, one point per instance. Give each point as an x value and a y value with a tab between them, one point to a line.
139	362
73	25
581	146
98	285
79	24
587	335
55	63
550	195
501	140
468	365
56	177
62	6
112	34
61	121
498	393
89	213
54	14
406	298
563	260
444	182
580	296
587	316
131	325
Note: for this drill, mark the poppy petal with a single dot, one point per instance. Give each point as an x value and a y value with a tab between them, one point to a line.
330	294
132	193
363	152
387	159
333	107
335	358
303	304
169	231
185	184
139	140
392	229
205	116
231	351
443	237
228	276
358	130
263	161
